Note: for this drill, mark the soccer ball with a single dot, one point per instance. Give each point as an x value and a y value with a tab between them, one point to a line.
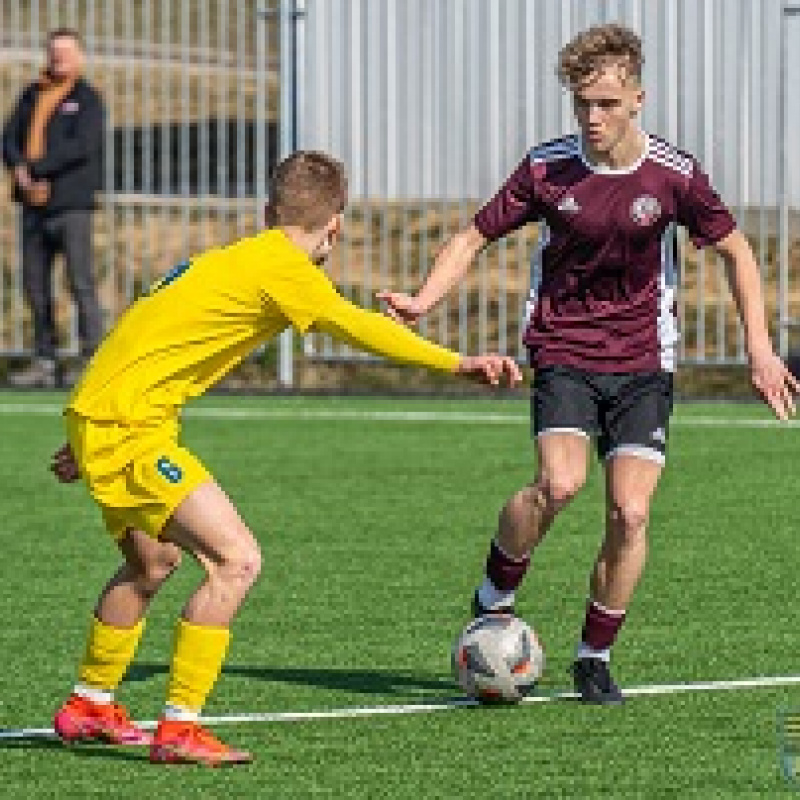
497	658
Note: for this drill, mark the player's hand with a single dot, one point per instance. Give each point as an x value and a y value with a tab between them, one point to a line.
23	177
64	466
491	369
774	381
38	193
402	307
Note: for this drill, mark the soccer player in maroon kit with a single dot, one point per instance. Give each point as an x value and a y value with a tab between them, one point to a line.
602	327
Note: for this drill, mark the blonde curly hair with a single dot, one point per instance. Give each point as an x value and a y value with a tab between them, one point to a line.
598	47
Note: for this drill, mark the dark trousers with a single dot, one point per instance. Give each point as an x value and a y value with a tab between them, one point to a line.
43	237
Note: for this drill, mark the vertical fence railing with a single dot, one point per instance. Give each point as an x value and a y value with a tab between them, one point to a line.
789	182
290	15
473	88
430	105
191	93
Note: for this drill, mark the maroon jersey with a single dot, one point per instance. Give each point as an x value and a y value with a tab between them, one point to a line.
604	276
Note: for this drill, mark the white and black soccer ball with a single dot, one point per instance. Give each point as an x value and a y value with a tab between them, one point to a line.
497	658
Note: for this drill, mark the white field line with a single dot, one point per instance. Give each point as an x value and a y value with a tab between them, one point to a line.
476	417
7	734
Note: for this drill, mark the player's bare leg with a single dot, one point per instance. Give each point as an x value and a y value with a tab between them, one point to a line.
206	525
148	564
562	468
91	713
630	484
525	519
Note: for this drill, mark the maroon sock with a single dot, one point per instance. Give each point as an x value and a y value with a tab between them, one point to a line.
601	626
505	572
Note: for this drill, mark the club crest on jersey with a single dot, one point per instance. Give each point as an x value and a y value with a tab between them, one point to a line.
569	205
645	209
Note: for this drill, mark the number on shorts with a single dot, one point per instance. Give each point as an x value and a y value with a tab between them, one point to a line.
172	472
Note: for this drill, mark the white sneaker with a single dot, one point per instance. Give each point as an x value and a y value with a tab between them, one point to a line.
39	374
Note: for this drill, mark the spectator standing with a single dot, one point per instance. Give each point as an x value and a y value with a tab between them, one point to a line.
52	143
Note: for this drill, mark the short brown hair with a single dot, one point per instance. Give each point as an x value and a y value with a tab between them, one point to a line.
65	33
306	189
597	47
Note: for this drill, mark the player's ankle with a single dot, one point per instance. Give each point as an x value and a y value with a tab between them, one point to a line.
584	650
176	713
95	694
491	598
505	571
600	626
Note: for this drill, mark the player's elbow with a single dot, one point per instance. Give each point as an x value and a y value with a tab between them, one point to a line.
469	242
734	247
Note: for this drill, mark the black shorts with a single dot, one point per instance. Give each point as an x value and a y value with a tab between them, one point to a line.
625	412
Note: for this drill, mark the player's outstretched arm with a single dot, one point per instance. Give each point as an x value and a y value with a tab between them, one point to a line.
513	205
64	466
448	269
378	334
769	375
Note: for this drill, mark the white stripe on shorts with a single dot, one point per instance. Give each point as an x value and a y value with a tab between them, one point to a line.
638	451
577	431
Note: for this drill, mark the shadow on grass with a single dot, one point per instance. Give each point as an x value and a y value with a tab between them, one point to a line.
39	742
32	742
140	754
361	681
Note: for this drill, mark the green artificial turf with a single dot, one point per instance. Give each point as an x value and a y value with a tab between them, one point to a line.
374	533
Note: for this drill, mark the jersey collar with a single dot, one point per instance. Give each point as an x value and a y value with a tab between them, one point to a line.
603	170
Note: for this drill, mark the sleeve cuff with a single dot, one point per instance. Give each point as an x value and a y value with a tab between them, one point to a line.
717	236
483	227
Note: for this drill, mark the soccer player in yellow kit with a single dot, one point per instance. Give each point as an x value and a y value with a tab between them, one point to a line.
157	499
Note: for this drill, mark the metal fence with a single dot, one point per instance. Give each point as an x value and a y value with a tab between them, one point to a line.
430	103
192	92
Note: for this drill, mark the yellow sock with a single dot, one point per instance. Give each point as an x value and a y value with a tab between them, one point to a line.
109	653
196	664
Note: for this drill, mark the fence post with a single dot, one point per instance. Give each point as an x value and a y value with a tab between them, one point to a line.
789	10
290	18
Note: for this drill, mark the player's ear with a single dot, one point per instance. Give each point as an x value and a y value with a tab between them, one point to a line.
638	102
334	227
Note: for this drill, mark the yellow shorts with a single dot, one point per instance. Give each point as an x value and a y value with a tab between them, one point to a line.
138	474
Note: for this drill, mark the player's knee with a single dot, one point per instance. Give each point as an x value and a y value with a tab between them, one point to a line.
559	489
158	569
629	518
251	564
242	564
169	560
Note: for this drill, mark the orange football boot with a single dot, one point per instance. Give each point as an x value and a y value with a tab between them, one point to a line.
179	742
81	719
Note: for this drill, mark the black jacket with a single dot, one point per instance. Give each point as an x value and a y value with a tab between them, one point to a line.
73	159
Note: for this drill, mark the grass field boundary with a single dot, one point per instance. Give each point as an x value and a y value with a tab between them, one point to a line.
654	690
356	415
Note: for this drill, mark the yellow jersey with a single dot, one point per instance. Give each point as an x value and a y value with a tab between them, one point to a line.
204	316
